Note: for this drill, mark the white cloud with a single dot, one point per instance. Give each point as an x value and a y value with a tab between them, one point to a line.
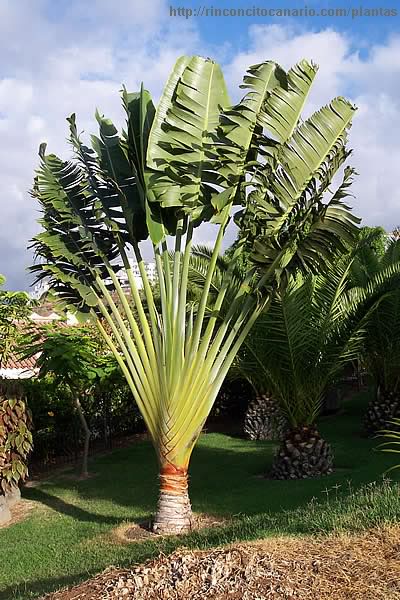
287	46
372	84
65	67
78	61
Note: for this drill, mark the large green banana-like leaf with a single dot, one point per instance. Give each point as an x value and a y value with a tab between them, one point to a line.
283	107
316	230
240	122
312	144
181	147
155	154
286	202
140	111
141	115
122	177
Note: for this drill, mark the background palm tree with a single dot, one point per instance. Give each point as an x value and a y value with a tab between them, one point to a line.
298	349
381	349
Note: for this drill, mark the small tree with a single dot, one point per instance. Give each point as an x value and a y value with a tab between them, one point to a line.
14	308
76	358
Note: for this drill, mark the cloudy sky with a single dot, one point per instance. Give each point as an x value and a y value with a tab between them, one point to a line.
73	55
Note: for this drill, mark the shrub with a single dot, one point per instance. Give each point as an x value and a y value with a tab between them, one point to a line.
15	439
110	412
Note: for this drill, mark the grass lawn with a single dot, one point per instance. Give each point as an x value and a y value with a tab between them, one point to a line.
67	536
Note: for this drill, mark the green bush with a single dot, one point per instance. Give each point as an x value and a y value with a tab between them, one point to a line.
54	420
15	439
111	412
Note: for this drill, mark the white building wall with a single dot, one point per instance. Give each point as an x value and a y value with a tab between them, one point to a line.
41	288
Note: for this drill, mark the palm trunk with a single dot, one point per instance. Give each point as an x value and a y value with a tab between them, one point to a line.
84	471
174	512
384	407
303	454
264	419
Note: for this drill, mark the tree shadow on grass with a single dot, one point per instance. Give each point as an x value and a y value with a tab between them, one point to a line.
70	510
36	588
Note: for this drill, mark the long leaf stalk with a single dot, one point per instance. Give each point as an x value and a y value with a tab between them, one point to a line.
130	352
205	369
219	302
143	352
147	332
146	382
107	296
204	360
140	355
176	270
178	317
166	262
181	320
152	336
198	325
208	353
206	393
154	317
108	339
177	333
165	324
192	343
125	370
138	390
157	326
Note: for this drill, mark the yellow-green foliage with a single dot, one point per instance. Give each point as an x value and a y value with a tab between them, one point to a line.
15	442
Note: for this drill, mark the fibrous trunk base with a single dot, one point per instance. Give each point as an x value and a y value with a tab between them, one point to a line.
303	454
384	407
174	512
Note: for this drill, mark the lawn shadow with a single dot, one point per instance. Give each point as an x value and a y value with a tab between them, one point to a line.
40	587
70	510
224	481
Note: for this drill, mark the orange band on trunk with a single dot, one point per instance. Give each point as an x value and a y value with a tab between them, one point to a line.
173	480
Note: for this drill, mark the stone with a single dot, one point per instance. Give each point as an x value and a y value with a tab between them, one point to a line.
5	514
13	497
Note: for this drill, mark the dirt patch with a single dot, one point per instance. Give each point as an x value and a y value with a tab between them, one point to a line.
19	512
336	567
137	532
